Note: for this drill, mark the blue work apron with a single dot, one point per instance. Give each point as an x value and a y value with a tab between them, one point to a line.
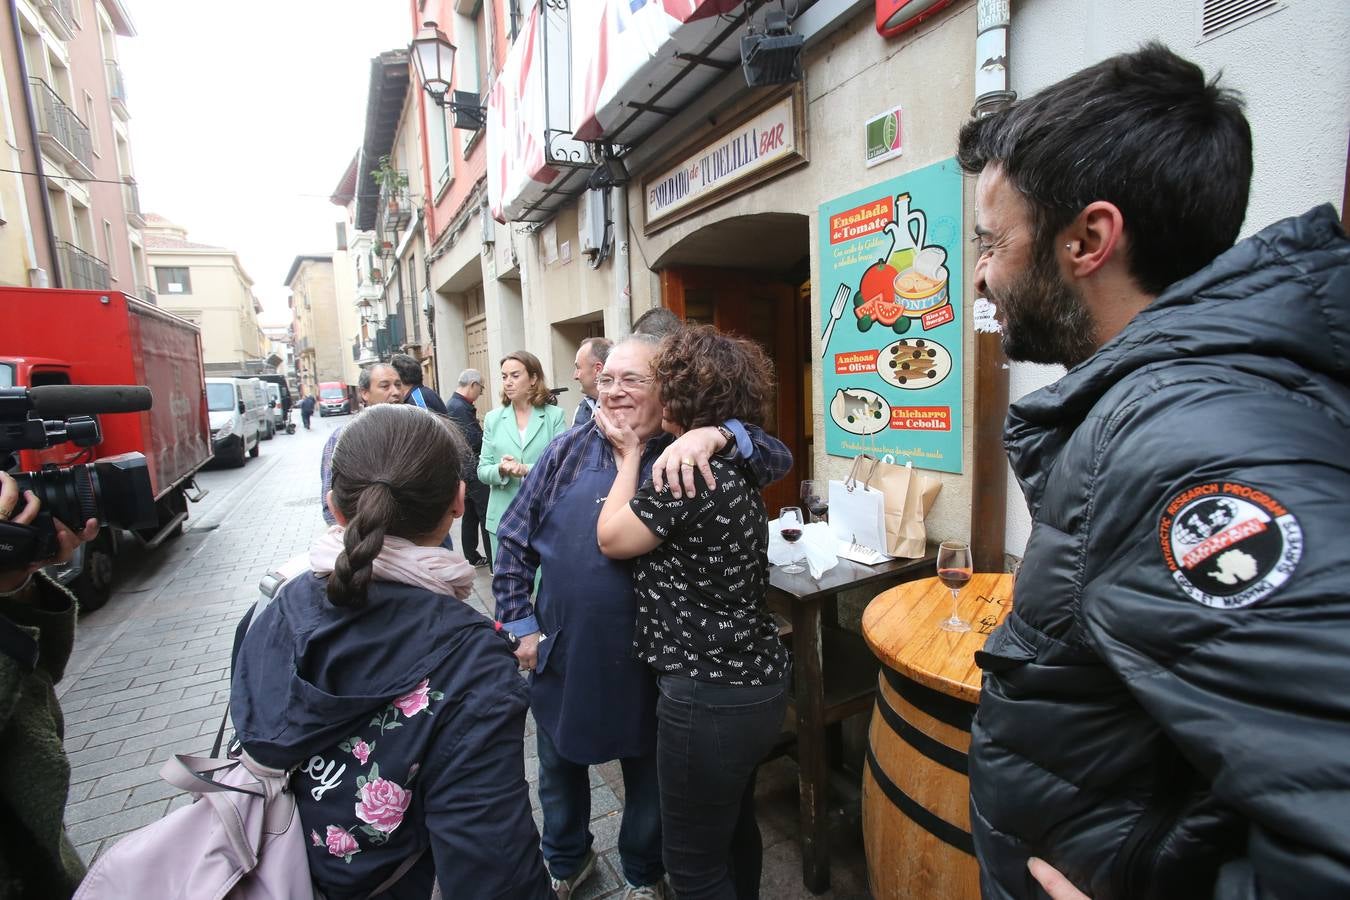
589	692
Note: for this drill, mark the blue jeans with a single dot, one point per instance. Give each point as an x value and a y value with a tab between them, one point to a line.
565	795
710	741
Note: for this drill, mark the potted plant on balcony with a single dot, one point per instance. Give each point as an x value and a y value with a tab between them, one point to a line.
391	182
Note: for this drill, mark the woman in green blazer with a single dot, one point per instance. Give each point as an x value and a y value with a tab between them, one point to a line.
516	433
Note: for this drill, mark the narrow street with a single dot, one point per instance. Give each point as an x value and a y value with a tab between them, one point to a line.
150	672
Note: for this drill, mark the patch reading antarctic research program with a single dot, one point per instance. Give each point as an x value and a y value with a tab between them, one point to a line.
1229	545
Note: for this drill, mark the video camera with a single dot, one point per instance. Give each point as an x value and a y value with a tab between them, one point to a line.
115	490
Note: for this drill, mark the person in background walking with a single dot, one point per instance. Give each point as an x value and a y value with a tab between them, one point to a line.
462	412
720	666
516	433
590	360
414	391
306	409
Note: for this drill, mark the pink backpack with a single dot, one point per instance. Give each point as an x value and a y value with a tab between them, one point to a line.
240	839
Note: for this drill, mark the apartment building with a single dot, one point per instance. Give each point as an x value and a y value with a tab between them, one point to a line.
71	217
208	286
318	345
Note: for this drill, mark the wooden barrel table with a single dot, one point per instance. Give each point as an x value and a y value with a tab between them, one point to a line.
916	794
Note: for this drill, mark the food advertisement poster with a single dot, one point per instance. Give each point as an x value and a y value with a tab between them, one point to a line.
890	294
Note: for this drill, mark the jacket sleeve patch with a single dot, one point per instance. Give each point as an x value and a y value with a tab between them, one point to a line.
1228	545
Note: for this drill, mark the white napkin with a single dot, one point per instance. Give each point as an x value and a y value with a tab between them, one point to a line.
816	547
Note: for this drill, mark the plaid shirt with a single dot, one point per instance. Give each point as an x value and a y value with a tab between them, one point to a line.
517	560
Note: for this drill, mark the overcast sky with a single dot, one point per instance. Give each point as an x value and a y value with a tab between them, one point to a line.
245	115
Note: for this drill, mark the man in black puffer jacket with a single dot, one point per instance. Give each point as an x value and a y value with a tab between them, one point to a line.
1166	712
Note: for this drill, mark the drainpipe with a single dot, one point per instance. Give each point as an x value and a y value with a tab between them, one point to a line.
992	19
55	275
619	319
989	501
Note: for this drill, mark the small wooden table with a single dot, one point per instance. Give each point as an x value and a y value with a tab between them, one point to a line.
916	794
833	677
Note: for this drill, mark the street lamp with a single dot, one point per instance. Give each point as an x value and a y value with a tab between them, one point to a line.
434	57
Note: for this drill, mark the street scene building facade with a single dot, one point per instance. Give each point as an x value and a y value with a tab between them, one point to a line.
207	286
70	205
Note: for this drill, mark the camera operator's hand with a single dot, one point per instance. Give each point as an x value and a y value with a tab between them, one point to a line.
22	511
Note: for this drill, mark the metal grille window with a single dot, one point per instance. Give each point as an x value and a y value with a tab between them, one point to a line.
1222	16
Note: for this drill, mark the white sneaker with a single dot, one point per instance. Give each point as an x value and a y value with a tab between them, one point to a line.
646	892
564	887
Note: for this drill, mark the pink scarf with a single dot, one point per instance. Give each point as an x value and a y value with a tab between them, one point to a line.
436	569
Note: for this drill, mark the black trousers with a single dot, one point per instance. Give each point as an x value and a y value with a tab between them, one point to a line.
710	741
475	520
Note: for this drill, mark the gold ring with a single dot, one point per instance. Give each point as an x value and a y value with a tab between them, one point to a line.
687	462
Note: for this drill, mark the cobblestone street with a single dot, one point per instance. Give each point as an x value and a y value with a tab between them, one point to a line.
150	672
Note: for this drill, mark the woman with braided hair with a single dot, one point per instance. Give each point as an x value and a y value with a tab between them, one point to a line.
394	703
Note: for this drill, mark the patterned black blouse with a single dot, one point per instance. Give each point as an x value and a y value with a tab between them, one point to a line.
701	593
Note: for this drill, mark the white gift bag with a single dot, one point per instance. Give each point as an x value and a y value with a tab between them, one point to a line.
857	512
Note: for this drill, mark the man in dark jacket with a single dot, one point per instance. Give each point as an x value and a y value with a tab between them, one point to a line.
306	409
461	410
1165	712
415	392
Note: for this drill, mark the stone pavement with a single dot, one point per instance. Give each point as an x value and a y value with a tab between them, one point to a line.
150	673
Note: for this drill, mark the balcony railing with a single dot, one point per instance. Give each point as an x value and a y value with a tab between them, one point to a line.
117	89
395	210
82	271
60	15
61	132
131	200
147	293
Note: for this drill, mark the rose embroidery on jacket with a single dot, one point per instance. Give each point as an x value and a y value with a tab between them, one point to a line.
340	843
315	839
358	748
382	805
410	704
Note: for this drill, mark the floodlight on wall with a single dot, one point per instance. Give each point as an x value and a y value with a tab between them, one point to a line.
434	59
609	170
774	55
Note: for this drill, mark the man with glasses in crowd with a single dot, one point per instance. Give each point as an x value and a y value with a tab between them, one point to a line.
592	700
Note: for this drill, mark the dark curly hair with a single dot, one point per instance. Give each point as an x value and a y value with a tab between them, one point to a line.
707	377
396	470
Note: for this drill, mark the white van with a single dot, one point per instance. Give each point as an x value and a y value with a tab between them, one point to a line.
236	412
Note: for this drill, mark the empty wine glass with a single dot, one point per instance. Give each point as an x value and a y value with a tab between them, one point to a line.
790	527
954	571
815	499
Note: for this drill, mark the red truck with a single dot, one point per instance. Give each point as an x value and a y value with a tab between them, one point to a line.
52	336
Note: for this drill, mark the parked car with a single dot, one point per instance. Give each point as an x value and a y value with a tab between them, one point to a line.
236	413
333	399
278	410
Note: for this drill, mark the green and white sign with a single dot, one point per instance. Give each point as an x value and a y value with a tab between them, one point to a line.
883	137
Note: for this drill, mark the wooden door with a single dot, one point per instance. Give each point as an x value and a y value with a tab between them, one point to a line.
768	310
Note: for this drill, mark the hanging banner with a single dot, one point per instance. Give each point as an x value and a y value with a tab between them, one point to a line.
890	266
517	120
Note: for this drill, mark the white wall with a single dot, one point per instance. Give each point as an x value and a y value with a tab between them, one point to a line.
1291	66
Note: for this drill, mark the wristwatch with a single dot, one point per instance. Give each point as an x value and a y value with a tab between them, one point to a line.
729	449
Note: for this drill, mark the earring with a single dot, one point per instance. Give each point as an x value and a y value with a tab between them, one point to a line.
1068	247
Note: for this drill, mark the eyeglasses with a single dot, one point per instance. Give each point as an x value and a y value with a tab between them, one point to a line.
627	382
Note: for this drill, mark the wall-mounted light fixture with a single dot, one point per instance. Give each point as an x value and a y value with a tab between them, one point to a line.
434	58
774	55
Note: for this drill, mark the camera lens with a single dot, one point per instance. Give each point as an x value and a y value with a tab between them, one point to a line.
115	491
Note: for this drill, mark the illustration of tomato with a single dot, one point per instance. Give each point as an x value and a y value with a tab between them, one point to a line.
878	281
864	319
888	311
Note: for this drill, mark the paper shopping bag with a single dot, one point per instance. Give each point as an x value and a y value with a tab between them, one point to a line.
857	512
908	495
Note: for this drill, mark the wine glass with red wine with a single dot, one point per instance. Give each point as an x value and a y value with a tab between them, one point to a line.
815	499
954	571
790	527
